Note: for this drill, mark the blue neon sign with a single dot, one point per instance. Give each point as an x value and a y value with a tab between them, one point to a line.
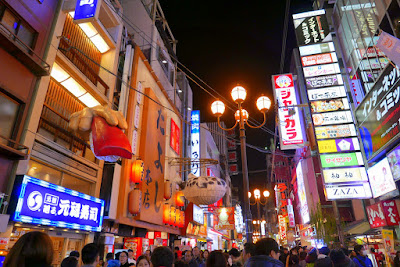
85	9
40	202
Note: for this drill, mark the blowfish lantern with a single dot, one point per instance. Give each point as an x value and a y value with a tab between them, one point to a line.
204	190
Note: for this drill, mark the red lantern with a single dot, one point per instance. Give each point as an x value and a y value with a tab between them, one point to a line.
137	171
179	199
167	189
134	201
173	215
182	220
166	213
177	217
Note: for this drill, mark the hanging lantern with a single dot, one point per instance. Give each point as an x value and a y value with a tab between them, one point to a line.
167	189
166	213
182	221
137	171
177	217
204	190
179	199
173	215
134	201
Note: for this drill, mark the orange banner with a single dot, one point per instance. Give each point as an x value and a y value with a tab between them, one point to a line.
224	219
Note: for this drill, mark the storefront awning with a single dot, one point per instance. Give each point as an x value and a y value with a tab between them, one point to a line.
357	228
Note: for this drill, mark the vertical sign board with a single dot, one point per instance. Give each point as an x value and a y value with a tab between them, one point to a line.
282	227
301	191
175	137
311	27
195	145
152	152
86	9
291	135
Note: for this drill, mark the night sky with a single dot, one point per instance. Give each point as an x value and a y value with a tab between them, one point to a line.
231	42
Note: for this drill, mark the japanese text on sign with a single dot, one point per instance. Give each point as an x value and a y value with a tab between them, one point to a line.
333	176
324	81
195	145
326	93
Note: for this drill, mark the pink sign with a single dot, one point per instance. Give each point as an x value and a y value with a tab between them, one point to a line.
391	212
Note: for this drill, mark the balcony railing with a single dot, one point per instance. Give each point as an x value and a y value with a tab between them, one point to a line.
13	149
22	52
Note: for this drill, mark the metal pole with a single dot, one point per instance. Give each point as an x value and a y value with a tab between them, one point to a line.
247	213
258	214
338	224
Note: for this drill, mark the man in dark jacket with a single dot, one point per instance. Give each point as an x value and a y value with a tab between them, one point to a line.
323	259
267	254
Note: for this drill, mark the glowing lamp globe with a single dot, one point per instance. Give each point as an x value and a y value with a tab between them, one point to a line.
263	103
266	193
257	193
245	115
249	193
238	94
218	108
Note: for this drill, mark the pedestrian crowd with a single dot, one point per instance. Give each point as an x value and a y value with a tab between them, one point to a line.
35	249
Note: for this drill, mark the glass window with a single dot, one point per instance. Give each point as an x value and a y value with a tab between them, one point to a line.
10	21
26	35
71	182
44	172
8	115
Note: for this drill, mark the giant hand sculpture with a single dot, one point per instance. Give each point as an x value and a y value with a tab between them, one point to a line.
102	126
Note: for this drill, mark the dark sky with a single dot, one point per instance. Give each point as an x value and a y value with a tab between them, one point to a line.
230	42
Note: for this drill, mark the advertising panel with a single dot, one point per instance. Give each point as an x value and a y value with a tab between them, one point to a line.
329	105
319	59
341	160
40	202
335	131
198	214
391	212
311	29
338	145
321	70
301	191
394	161
195	145
326	93
340	191
282	226
324	81
175	137
376	218
373	63
388	240
291	135
381	179
316	49
337	117
224	218
345	175
86	9
135	244
292	222
378	114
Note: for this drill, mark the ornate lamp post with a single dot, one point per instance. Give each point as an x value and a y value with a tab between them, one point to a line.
241	116
258	201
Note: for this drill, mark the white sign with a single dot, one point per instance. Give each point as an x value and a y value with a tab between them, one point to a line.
381	178
326	93
301	191
316	49
291	135
198	214
309	14
321	70
351	191
332	176
319	59
239	224
337	117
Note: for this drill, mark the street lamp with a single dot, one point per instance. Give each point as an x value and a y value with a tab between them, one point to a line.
258	201
263	104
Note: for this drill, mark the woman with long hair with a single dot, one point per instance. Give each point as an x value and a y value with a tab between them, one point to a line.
142	261
33	249
216	259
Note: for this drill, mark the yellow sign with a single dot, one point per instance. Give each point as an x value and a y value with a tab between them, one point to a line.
327	146
388	243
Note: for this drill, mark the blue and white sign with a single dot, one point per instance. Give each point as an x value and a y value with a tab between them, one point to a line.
195	145
85	9
40	202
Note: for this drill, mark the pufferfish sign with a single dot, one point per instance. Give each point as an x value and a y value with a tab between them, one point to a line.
103	127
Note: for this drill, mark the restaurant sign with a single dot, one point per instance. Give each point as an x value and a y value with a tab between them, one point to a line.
335	131
326	93
341	160
337	117
324	81
40	202
345	175
338	145
329	105
321	70
319	59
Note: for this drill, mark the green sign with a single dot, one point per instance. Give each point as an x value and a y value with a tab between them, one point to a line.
341	160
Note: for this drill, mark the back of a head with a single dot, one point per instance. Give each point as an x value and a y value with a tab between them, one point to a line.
70	261
302	255
234	252
216	259
90	252
324	250
32	249
162	256
250	248
109	256
75	254
338	257
357	248
264	246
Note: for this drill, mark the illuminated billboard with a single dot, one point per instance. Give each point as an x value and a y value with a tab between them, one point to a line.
381	178
341	160
345	175
326	93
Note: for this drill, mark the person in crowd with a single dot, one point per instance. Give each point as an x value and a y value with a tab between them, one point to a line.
311	257
216	259
302	259
361	259
178	254
75	254
284	255
162	256
69	262
147	253
340	259
101	263
131	259
123	259
323	260
396	261
90	255
142	261
189	260
109	256
197	256
293	258
234	255
353	254
249	250
267	254
117	256
33	249
206	253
